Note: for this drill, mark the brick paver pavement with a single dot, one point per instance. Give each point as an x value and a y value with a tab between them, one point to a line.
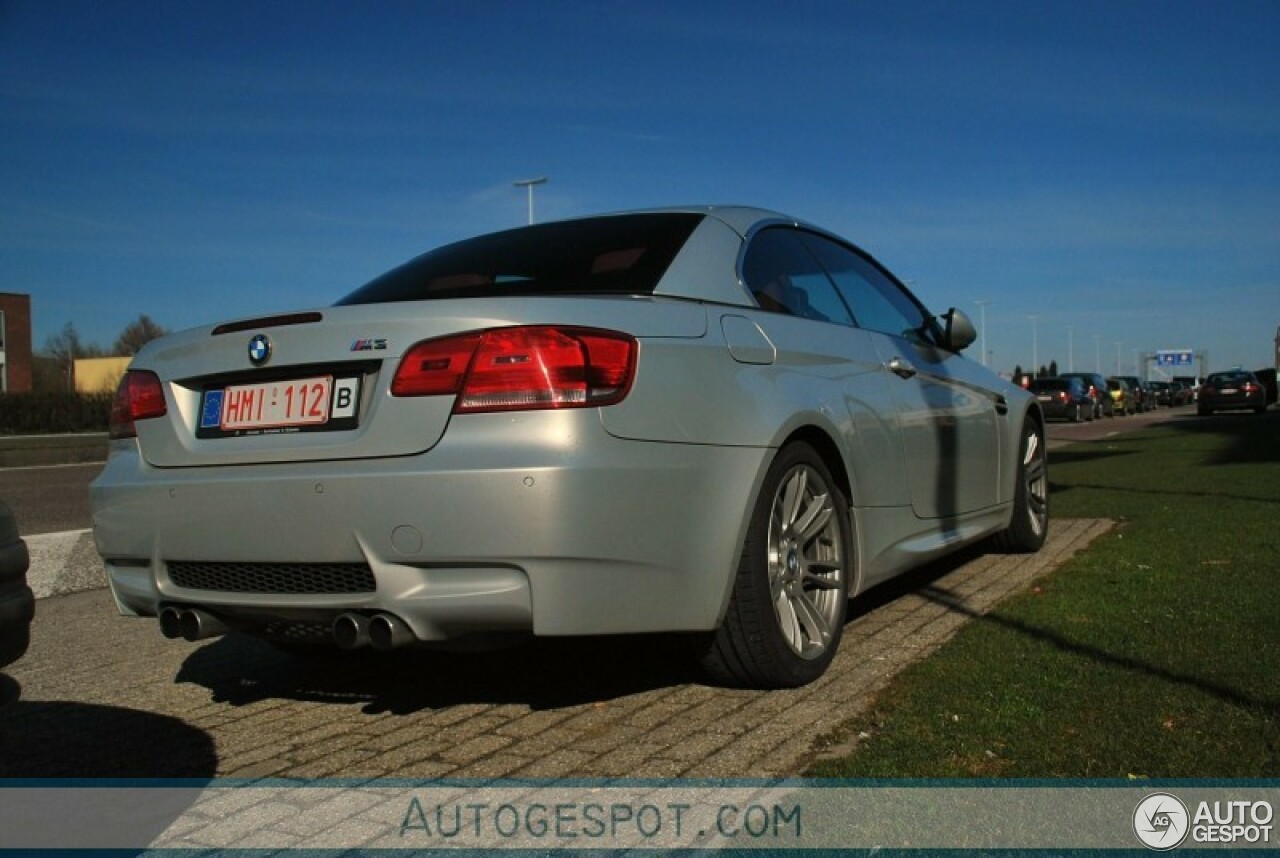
100	695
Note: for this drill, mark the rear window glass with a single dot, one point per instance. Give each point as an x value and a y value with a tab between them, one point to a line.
618	254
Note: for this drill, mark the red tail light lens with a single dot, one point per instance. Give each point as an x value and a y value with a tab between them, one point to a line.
435	367
140	396
521	368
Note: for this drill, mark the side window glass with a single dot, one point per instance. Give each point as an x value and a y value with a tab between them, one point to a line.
785	278
878	303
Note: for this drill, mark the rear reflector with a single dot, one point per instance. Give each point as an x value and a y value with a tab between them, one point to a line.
139	397
521	368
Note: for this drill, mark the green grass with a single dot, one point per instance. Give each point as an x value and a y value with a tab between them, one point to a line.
1155	653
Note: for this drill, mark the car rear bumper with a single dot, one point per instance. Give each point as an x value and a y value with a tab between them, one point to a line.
1058	411
1227	403
539	521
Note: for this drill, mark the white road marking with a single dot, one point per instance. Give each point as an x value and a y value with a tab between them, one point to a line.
65	562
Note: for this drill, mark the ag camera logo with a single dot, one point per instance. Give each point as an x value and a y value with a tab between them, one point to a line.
1160	821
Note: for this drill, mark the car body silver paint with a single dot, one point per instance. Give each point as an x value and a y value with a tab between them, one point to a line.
611	535
621	519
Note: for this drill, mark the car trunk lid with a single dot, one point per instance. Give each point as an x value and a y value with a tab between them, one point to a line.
316	385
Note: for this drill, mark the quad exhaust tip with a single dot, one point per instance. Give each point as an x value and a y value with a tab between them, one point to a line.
351	631
387	631
190	624
383	632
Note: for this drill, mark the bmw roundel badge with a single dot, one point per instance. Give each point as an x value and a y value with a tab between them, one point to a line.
259	350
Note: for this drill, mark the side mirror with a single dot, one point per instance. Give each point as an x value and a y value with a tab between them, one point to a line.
958	332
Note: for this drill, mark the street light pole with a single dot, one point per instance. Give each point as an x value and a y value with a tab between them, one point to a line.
982	306
529	183
1035	348
1071	349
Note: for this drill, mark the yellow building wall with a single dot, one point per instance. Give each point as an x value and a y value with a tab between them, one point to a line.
100	375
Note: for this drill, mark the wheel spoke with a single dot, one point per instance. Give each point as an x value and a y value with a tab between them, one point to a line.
814	519
1034	467
820	582
1033	448
788	621
777	584
793	497
1035	476
812	621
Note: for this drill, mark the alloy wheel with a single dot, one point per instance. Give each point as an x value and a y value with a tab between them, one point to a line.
806	565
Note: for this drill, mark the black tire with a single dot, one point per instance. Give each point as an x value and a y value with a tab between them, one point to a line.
14	643
785	618
1029	526
17	605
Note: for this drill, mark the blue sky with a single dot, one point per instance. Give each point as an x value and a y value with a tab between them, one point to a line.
1110	167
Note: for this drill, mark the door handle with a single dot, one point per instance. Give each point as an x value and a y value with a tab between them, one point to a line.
901	368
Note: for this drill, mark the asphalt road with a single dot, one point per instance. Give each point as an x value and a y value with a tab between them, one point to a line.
49	499
1061	432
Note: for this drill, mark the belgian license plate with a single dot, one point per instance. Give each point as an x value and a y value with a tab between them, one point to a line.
298	403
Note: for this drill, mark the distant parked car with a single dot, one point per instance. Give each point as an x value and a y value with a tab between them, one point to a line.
1267	377
1139	394
1161	393
1097	387
17	605
1063	398
1235	389
1192	383
1180	393
1121	396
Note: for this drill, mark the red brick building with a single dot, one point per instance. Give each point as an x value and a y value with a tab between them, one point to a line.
15	343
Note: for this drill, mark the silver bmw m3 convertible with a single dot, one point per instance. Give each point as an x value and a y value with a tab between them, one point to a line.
716	420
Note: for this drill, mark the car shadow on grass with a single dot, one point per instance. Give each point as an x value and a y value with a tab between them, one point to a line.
1081	451
1255	438
1224	693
